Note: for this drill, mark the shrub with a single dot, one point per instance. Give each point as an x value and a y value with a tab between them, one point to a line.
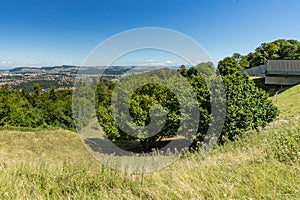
248	107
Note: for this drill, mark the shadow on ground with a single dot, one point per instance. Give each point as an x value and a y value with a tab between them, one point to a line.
129	148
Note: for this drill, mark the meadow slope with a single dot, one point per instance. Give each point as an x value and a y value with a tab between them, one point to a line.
53	164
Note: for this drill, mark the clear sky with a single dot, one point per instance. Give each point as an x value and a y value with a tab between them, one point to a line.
55	32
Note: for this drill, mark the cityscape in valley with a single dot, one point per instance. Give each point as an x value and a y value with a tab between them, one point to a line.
62	77
25	77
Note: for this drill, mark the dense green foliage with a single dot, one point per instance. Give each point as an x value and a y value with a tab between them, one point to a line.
147	105
248	107
229	66
278	49
36	110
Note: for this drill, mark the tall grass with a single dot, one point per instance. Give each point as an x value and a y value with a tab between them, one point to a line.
263	164
242	174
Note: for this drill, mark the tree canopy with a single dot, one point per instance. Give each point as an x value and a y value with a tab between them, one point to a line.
50	109
278	49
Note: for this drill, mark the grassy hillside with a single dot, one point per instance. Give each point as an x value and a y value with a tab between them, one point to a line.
264	164
50	146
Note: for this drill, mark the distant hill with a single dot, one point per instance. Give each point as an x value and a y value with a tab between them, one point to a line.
112	70
59	67
42	69
18	69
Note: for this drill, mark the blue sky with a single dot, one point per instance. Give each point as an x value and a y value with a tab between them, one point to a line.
55	32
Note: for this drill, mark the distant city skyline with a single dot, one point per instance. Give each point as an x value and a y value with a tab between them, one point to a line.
48	33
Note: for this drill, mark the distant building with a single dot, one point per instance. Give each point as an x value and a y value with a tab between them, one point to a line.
283	72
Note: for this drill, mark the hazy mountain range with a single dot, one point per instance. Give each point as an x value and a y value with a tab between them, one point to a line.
112	70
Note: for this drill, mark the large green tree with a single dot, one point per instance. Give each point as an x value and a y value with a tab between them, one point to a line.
161	87
229	66
278	49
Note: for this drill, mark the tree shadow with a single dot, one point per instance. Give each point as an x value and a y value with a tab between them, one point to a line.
129	148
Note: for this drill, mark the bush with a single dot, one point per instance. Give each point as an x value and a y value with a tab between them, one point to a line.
248	107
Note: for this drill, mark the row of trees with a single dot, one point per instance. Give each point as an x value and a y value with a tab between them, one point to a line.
247	106
168	106
278	49
51	109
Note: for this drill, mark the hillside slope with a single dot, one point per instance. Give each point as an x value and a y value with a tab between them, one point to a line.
264	164
52	146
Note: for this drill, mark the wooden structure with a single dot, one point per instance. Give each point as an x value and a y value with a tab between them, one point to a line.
256	71
283	72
